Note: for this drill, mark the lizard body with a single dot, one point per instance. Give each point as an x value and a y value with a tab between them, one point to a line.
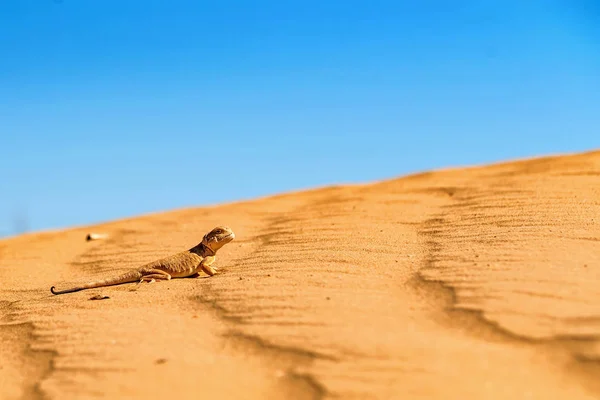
180	265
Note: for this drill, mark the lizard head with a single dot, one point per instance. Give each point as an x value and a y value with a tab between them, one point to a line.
218	237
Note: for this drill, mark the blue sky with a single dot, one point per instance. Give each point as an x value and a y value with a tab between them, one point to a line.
110	109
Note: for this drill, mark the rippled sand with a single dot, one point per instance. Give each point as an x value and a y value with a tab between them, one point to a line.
478	283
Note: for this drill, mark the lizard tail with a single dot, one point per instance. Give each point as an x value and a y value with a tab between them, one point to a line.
128	277
65	291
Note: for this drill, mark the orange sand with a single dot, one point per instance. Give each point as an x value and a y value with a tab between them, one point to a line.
475	283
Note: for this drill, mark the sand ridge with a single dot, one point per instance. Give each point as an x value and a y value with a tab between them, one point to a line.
463	283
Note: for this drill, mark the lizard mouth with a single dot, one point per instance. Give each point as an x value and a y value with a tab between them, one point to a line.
231	236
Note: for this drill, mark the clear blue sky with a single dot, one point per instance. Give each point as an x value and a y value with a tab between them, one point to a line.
117	108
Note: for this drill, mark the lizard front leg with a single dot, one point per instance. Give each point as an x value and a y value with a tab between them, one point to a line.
206	265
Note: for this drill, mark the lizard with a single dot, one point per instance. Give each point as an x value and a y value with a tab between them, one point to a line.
184	264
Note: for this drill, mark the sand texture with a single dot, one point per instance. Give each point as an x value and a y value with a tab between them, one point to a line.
473	283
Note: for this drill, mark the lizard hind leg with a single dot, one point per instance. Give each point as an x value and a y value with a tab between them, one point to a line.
154	275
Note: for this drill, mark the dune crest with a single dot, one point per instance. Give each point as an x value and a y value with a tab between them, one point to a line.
463	283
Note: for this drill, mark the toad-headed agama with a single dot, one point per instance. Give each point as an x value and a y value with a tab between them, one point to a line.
187	263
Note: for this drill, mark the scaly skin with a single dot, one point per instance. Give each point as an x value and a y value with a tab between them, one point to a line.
185	264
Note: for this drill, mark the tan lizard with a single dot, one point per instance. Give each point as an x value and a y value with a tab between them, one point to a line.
187	263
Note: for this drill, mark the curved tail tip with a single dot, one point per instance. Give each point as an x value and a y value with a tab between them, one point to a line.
52	290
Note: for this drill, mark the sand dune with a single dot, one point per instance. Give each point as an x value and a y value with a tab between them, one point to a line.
475	283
